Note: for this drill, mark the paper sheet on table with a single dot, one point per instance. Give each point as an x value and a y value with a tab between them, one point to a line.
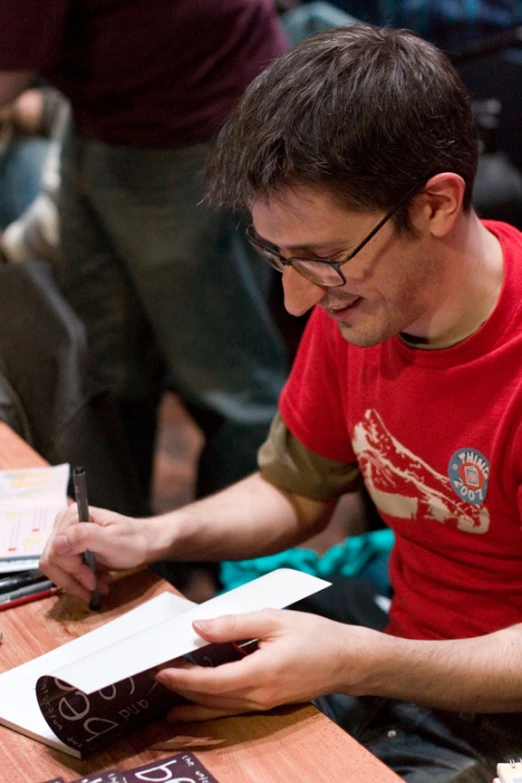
30	498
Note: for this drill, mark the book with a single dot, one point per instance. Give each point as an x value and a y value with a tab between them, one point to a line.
182	768
89	692
30	499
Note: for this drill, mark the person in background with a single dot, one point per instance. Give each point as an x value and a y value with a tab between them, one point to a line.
31	230
26	129
355	153
50	393
447	24
167	288
483	39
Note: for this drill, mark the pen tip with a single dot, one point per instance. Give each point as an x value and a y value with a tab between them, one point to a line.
95	603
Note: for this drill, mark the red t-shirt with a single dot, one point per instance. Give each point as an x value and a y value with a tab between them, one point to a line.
158	73
438	437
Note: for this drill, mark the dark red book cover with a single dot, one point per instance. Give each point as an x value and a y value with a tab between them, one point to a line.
91	722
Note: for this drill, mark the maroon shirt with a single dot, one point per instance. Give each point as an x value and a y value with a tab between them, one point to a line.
155	73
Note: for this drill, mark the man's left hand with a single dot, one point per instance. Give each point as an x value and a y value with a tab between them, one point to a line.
300	656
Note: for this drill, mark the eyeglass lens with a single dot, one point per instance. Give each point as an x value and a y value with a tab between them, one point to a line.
318	272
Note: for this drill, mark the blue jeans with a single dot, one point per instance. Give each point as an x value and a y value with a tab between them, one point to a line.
21	168
423	745
171	294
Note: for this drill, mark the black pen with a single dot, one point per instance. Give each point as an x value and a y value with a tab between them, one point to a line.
80	491
8	583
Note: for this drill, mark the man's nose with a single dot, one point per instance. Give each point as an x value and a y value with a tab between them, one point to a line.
300	294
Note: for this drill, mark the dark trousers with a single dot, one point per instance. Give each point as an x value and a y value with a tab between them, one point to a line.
421	745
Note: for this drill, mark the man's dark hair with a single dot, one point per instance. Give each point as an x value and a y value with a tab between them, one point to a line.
364	112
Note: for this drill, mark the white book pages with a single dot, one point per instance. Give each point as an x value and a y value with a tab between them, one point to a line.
175	636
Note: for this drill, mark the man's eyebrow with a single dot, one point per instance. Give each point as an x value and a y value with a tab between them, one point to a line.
310	248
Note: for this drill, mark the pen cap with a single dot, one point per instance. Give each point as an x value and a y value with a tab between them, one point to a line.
80	492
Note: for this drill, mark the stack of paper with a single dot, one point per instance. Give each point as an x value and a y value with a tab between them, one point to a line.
30	498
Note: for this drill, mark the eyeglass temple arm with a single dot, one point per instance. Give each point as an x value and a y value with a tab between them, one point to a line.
381	223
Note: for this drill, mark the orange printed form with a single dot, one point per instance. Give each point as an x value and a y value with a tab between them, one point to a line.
30	499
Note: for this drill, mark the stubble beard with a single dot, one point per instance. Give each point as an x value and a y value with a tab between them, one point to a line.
367	335
407	304
366	338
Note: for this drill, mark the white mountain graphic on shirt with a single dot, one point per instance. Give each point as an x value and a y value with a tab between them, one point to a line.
404	486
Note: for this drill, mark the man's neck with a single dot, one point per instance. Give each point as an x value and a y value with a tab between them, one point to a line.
472	279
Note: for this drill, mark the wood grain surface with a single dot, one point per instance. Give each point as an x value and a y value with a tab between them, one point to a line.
286	745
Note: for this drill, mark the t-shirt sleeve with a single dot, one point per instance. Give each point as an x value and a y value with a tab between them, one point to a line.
313	401
289	465
32	34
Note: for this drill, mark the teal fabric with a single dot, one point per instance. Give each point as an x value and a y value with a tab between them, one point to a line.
365	555
312	18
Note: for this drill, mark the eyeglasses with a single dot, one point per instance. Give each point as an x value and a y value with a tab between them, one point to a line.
321	271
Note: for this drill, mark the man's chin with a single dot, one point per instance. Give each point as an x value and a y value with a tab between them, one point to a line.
364	338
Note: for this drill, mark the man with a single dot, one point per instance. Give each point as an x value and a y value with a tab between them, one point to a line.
169	292
355	153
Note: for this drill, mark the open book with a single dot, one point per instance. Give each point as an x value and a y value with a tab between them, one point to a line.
87	693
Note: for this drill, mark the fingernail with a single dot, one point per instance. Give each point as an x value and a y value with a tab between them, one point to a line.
61	544
203	625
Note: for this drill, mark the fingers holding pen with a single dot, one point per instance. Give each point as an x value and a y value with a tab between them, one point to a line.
72	537
116	541
71	582
62	560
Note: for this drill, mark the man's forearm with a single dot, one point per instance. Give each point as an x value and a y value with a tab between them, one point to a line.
465	675
249	519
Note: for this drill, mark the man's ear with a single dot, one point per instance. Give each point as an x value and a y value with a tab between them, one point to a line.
440	203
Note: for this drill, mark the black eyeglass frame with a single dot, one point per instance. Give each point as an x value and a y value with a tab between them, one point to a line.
272	257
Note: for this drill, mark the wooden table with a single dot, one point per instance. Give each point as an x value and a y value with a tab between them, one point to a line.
283	746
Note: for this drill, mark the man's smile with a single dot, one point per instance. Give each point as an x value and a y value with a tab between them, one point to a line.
340	310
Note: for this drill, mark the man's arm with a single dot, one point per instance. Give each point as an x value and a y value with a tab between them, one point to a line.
249	519
12	83
481	674
302	656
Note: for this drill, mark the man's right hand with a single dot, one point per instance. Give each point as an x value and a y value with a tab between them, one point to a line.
118	543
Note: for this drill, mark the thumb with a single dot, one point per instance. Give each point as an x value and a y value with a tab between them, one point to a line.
76	538
233	627
61	544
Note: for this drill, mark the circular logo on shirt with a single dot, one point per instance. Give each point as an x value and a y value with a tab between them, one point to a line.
468	471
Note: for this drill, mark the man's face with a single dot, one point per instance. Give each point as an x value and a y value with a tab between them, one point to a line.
391	284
